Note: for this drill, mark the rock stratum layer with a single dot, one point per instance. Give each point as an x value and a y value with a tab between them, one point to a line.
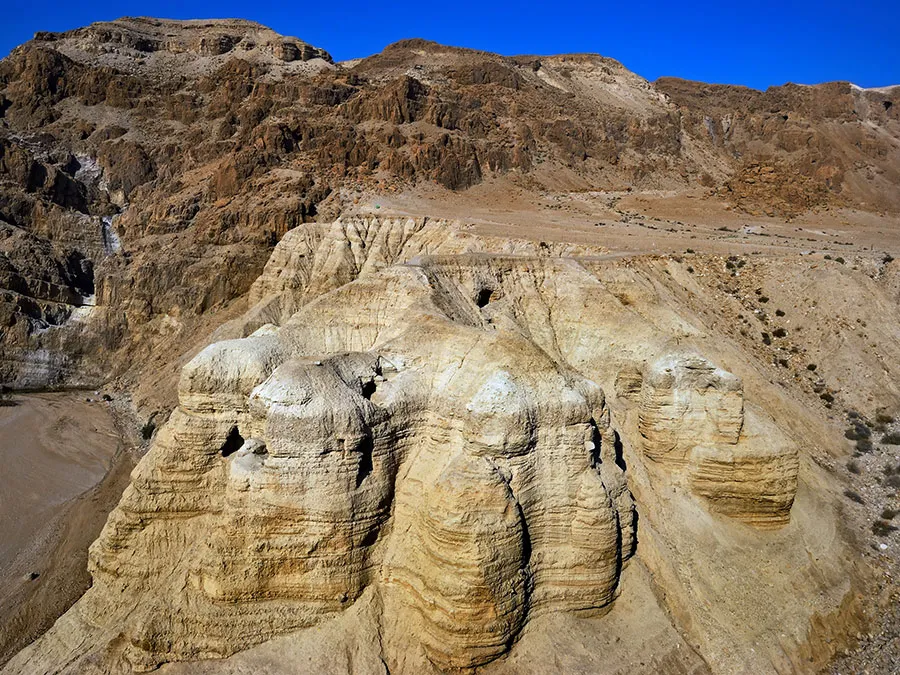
419	441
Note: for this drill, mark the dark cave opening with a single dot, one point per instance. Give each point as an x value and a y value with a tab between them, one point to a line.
483	297
232	443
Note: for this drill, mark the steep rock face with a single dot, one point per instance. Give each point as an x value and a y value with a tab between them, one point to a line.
173	155
421	458
692	419
462	473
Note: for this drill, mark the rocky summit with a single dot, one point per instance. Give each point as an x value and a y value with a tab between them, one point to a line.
451	362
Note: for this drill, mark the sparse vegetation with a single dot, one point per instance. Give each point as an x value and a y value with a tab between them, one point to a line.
857	431
863	446
854	496
853	467
881	528
811	367
889	514
6	399
779	312
779	332
892	438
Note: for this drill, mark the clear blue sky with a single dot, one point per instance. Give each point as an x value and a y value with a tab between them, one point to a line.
757	44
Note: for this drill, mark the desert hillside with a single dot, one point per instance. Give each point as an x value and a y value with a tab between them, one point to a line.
448	361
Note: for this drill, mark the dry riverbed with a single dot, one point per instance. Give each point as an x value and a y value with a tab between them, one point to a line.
65	462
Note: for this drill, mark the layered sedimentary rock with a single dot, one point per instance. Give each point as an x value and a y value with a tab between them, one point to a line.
686	400
408	438
173	155
383	437
692	420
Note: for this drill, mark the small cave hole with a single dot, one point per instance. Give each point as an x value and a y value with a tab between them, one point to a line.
483	297
365	449
233	443
888	105
368	388
620	457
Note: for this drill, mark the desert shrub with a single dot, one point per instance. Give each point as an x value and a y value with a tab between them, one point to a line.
766	338
881	528
827	257
827	397
853	467
854	496
779	332
811	367
779	312
857	431
840	260
763	298
892	481
884	418
889	514
864	445
892	438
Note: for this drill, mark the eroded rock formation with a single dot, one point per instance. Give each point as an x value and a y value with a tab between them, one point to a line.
692	418
414	427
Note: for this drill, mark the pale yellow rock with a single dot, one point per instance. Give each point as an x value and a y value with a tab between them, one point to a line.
692	419
410	458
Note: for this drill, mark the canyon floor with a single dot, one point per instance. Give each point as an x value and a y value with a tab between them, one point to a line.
65	467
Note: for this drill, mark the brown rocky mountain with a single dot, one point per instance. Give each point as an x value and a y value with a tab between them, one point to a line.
456	362
148	167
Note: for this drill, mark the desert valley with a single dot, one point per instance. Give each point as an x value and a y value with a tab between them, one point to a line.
440	361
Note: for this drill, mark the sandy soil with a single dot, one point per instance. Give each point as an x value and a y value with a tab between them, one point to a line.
65	465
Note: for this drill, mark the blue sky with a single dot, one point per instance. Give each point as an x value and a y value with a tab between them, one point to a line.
757	44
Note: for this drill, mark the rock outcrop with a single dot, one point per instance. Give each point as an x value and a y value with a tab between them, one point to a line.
382	437
173	155
407	435
692	420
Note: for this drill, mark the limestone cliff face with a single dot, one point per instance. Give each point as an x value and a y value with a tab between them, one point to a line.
415	420
372	441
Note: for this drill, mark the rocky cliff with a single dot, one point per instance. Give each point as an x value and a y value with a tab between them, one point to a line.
422	438
148	166
403	440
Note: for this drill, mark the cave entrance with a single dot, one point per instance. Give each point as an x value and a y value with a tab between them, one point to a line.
483	297
232	443
368	388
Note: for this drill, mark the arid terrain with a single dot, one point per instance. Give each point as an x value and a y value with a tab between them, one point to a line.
446	362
